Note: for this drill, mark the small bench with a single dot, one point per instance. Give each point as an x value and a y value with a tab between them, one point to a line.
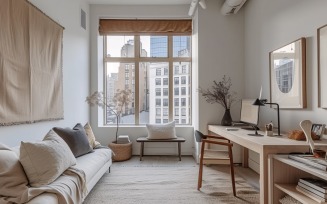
144	139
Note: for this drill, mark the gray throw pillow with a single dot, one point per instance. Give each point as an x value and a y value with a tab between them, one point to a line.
76	139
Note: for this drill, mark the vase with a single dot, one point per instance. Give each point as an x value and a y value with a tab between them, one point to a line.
227	118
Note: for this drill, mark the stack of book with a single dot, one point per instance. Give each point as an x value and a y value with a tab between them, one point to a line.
123	139
319	163
316	189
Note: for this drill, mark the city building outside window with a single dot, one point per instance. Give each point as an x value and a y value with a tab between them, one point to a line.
183	91
184	69
176	111
165	102
176	102
183	101
165	111
183	110
165	71
158	121
176	70
158	81
158	102
183	80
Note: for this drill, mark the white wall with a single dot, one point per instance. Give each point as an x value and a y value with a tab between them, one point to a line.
76	62
106	135
220	52
270	25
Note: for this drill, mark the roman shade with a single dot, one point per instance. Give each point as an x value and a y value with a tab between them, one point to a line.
142	27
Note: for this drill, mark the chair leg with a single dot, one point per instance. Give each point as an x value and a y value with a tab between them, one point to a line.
232	169
201	167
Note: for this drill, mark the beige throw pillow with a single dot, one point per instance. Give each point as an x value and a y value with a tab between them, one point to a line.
90	135
13	180
164	131
45	161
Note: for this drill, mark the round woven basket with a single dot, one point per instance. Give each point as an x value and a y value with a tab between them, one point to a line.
122	152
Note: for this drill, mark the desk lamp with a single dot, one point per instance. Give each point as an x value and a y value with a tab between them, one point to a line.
262	102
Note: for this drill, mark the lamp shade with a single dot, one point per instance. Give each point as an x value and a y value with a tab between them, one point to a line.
258	102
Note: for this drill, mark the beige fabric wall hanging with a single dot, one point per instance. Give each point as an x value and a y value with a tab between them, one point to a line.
31	87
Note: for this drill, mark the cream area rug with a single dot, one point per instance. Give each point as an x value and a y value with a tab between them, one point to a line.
166	180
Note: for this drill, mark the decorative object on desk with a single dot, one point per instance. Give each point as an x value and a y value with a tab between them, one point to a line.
318	129
306	126
269	129
220	93
121	98
322	66
299	135
287	75
262	102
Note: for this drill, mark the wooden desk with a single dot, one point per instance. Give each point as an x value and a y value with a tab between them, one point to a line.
264	145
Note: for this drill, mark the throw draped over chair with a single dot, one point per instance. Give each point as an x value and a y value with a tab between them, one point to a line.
211	154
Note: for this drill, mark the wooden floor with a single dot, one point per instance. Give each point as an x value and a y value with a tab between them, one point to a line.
247	174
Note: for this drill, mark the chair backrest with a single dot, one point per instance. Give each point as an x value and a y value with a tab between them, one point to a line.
198	136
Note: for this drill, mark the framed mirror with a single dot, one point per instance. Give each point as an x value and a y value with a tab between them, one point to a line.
287	75
322	66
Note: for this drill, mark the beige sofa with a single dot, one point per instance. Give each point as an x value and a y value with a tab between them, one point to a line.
61	169
94	165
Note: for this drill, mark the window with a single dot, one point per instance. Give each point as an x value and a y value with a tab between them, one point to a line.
158	102
165	91
158	81
177	121
183	91
176	91
165	81
176	70
183	121
158	91
183	110
165	102
158	111
147	65
165	71
183	79
176	80
184	70
176	102
158	72
165	112
183	101
176	111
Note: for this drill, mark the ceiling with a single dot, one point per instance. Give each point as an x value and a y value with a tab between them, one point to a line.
139	2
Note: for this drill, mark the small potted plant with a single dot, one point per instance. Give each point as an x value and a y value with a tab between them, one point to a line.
220	93
121	98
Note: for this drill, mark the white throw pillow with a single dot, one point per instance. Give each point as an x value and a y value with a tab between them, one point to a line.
164	131
45	161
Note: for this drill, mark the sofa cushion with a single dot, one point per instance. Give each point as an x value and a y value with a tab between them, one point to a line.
75	138
90	136
12	176
161	131
91	163
45	161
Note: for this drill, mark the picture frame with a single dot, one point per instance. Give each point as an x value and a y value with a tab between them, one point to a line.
322	65
287	68
318	129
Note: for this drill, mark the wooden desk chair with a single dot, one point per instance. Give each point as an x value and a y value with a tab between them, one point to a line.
211	154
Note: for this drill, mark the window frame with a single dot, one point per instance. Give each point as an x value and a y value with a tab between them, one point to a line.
136	60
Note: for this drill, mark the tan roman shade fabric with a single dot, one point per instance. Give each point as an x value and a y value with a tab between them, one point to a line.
160	27
30	65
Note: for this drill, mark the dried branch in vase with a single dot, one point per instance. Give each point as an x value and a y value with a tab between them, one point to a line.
220	93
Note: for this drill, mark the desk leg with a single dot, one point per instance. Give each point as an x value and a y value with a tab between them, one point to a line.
141	150
263	177
179	151
245	158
